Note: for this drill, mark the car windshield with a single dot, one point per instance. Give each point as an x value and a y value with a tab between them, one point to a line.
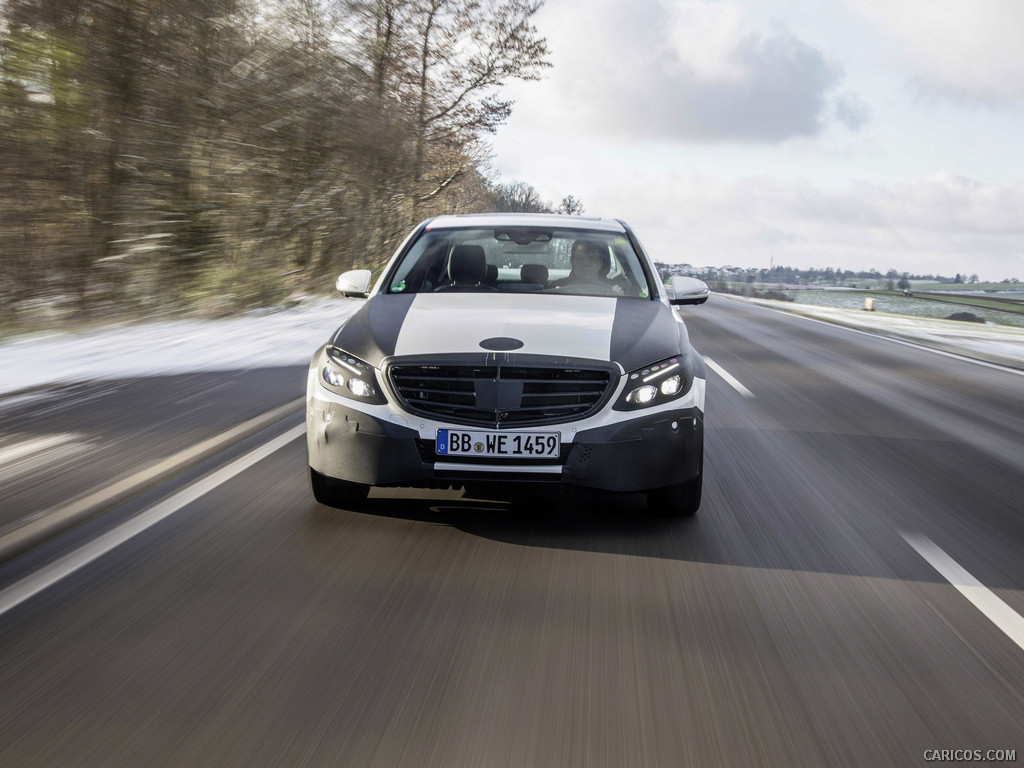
521	260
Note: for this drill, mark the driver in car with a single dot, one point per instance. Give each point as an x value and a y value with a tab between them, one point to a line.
590	265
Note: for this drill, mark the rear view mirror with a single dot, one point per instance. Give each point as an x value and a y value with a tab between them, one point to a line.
356	282
687	290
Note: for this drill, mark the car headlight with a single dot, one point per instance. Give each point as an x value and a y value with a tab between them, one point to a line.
656	384
349	376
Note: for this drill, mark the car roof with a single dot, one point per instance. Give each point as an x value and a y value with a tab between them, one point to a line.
560	221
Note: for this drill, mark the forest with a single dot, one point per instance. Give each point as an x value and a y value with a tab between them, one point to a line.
213	155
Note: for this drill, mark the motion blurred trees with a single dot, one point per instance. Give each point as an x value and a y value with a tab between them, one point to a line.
225	152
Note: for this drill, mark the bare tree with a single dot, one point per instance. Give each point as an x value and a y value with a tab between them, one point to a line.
226	151
467	49
518	197
570	206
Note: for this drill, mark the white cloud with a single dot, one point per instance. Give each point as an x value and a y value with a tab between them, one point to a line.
940	224
689	70
960	49
704	40
699	122
852	111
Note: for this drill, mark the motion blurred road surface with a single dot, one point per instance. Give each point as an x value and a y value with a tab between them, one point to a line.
791	622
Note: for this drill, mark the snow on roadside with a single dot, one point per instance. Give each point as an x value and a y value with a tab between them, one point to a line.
998	344
261	339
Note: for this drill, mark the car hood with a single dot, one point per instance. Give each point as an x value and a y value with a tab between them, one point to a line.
631	332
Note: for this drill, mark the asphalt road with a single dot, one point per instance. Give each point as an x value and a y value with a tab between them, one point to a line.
795	621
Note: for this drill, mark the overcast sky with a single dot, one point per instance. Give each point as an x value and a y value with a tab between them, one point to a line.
851	134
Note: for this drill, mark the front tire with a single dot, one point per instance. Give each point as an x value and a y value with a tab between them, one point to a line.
336	493
682	500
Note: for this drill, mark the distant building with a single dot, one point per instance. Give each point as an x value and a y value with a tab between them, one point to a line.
667	271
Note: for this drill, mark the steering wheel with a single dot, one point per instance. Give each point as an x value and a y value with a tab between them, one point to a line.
465	288
586	285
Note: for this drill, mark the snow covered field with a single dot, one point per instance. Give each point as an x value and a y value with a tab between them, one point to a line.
256	340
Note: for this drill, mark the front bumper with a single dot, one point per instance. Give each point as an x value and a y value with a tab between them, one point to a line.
643	453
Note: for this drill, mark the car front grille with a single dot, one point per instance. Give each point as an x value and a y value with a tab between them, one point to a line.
500	395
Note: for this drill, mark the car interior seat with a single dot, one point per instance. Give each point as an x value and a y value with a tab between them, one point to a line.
467	268
534	273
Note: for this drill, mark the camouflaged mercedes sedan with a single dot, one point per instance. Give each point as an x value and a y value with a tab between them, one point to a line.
512	348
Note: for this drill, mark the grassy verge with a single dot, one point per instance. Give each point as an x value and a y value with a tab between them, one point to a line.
981	302
962	287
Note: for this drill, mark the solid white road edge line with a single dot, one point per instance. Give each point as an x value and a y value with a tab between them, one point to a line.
729	378
986	601
45	523
28	587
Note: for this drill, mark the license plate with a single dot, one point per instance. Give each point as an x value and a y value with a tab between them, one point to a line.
510	445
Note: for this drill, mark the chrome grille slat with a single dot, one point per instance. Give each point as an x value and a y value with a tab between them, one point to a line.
587	393
571	407
434	391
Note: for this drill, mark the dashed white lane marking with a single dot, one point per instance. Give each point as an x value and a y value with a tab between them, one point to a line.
32	585
28	447
729	378
998	612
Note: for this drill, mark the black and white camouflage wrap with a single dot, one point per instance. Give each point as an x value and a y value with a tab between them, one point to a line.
631	333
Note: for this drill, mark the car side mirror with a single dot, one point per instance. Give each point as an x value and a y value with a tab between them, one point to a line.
355	282
687	290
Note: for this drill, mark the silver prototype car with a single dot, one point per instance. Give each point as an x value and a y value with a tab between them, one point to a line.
511	348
